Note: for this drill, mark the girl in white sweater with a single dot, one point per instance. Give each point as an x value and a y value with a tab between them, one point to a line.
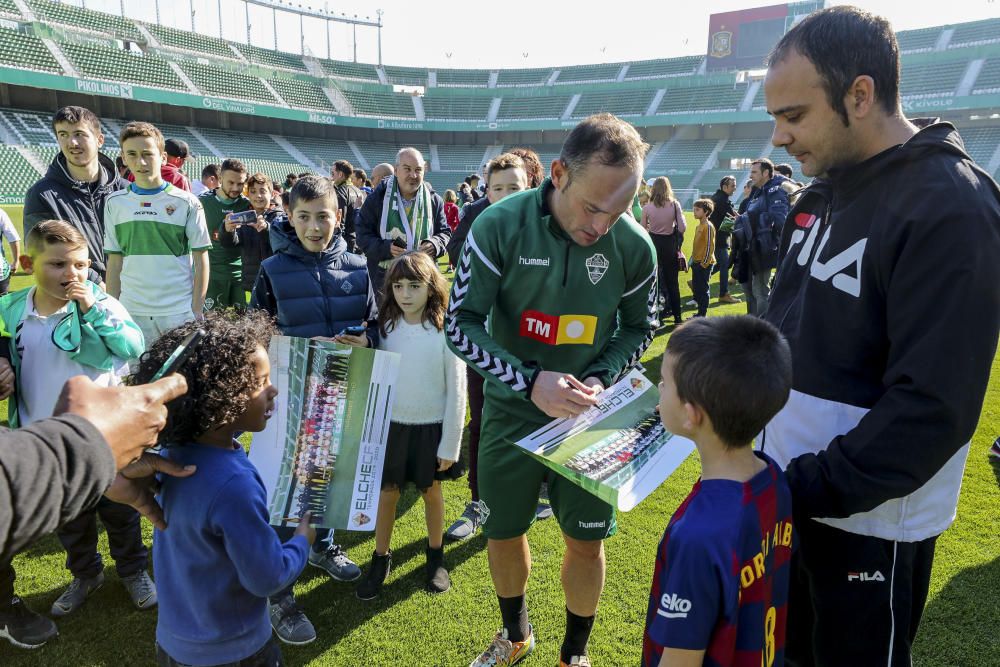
428	412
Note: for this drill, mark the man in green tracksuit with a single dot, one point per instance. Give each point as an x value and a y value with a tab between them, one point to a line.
567	280
225	286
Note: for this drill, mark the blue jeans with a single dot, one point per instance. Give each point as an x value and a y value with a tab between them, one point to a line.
699	278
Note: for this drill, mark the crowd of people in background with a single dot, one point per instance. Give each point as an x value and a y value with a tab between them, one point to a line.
130	256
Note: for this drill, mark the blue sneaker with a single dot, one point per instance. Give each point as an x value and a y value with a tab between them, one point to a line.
335	562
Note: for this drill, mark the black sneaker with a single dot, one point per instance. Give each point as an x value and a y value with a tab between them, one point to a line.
24	628
371	586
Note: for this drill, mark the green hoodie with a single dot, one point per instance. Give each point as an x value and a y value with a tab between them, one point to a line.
552	304
98	338
224	257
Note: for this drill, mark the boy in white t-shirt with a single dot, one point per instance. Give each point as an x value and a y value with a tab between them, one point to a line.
63	327
8	233
152	232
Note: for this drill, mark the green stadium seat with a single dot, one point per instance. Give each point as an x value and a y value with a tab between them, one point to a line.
914	41
18	49
989	78
981	142
100	62
406	76
245	145
376	152
269	58
467	159
467	78
681	158
656	69
452	108
621	103
380	105
347	70
531	108
726	97
300	94
220	83
976	32
9	8
18	174
937	79
191	41
78	17
585	73
523	77
324	152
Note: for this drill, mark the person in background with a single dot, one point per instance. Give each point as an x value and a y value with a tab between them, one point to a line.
253	238
225	283
723	210
451	209
361	182
8	233
663	218
758	229
209	180
702	254
172	170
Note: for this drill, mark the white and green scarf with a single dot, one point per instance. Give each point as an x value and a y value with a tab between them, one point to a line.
395	223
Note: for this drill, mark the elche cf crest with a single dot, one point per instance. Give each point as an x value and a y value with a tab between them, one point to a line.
597	266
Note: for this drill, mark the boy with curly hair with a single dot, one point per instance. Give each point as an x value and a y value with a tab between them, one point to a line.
220	559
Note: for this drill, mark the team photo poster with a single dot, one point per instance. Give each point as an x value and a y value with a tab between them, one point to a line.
323	448
618	450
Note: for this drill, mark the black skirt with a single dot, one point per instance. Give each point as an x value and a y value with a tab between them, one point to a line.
411	456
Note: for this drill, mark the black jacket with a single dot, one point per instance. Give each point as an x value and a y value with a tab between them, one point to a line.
887	294
466	216
59	196
50	472
255	247
377	249
723	207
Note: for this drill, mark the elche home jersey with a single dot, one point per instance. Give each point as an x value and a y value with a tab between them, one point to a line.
722	573
155	232
552	304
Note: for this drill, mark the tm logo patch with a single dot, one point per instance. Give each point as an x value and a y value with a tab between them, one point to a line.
558	329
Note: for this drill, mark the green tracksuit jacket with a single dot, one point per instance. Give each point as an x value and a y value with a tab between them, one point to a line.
552	304
224	257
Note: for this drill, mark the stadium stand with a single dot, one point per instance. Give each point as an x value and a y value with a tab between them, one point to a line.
989	78
588	73
20	49
931	79
347	70
655	69
702	98
915	41
626	103
19	174
406	76
226	83
468	159
325	152
465	78
118	65
269	58
981	142
383	105
975	33
9	8
531	108
85	19
523	77
301	94
457	108
191	41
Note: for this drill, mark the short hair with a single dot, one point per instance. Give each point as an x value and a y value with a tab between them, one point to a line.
51	232
303	174
291	177
142	129
739	391
605	138
727	180
220	374
844	43
784	169
259	179
74	115
360	173
210	170
705	204
120	163
310	187
765	164
532	165
503	162
344	167
232	164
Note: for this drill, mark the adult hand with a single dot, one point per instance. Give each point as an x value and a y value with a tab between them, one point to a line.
561	395
428	247
129	418
229	224
353	341
444	464
6	379
595	385
79	292
261	224
305	528
396	251
136	485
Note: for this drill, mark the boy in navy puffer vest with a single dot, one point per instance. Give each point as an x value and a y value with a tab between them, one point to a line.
315	289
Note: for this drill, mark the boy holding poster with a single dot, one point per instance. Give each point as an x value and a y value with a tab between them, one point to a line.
703	610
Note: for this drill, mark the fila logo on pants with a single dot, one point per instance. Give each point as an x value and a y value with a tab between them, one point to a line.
558	329
865	576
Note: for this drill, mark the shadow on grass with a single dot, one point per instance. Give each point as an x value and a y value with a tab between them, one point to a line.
995	464
955	632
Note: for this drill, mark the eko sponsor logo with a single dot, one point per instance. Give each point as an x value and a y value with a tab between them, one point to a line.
672	606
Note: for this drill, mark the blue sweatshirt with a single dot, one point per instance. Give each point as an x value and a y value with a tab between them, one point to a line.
219	559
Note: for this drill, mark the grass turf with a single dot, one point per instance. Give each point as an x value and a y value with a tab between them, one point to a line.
408	626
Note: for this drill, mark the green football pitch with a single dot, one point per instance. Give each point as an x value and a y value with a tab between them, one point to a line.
409	627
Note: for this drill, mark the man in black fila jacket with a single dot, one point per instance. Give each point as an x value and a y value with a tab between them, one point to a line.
887	292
